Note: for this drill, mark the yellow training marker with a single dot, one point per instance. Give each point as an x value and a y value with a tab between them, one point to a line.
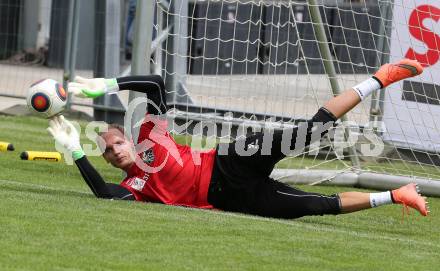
41	156
6	146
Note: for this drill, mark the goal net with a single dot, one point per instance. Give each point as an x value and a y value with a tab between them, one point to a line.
260	62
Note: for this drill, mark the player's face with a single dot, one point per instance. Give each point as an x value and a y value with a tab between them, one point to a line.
118	150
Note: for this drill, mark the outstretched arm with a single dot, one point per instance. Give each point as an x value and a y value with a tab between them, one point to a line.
152	85
66	135
96	183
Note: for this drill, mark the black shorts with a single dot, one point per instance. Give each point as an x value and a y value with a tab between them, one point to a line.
240	179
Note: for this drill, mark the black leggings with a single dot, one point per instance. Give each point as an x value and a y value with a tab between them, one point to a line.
240	179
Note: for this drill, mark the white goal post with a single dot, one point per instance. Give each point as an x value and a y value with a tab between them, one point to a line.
262	63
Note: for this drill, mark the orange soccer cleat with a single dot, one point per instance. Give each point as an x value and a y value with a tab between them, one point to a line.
390	73
408	196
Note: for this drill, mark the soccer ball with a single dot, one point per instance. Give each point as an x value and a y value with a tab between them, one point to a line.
46	98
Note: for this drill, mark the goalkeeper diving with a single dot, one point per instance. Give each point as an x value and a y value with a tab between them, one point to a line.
232	177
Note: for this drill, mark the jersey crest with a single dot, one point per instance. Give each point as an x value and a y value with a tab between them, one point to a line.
148	156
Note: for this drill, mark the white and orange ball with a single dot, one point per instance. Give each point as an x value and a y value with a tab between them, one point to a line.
46	98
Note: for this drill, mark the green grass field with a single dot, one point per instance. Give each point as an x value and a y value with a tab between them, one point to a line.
51	221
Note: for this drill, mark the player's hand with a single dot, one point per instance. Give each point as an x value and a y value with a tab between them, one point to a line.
92	88
66	135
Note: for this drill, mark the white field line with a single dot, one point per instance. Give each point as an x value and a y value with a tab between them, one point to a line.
297	224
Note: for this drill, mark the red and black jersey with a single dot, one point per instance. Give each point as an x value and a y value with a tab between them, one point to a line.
164	171
167	172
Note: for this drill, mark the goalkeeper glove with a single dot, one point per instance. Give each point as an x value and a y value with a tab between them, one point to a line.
66	135
92	88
